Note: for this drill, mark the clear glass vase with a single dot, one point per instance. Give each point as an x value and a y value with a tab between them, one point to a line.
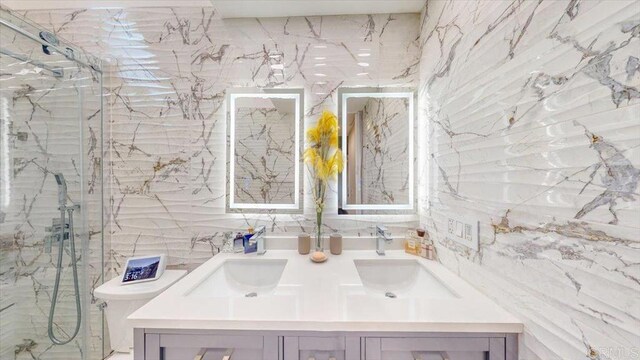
319	238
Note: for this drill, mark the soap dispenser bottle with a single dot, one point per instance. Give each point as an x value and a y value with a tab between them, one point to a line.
238	243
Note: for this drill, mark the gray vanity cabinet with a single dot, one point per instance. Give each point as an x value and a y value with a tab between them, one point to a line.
158	344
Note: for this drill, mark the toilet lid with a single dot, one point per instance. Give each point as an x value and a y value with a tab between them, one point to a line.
114	290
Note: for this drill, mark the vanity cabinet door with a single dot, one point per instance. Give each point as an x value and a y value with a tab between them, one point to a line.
218	347
433	348
321	348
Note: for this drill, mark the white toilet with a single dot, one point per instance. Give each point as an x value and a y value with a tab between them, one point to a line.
123	300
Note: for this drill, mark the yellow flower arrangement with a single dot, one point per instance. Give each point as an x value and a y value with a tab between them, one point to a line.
324	161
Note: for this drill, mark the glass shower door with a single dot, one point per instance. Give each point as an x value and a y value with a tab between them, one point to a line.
43	160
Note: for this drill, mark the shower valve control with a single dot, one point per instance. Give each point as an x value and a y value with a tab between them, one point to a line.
54	233
54	229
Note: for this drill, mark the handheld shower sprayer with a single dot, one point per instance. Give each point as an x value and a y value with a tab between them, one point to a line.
62	189
64	210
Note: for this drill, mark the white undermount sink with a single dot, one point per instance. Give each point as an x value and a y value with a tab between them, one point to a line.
400	278
241	278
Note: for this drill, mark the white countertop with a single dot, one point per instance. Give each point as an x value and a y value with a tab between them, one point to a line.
314	299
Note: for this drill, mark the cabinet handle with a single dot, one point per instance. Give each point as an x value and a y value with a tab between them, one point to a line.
200	355
331	357
416	355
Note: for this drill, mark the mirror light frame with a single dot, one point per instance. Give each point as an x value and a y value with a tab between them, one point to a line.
298	96
404	93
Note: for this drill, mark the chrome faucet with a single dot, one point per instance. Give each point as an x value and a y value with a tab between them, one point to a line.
258	236
381	238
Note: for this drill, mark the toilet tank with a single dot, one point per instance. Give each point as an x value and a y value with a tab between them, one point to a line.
123	300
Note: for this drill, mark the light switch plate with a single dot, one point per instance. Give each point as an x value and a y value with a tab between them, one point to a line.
464	231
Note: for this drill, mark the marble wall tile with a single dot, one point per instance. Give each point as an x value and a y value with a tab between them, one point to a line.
171	70
533	120
265	153
385	151
529	116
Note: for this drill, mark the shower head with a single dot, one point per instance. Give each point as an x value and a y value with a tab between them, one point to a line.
62	189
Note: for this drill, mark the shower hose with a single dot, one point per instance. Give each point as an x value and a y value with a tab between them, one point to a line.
74	265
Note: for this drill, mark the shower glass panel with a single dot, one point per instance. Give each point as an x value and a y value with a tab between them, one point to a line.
50	165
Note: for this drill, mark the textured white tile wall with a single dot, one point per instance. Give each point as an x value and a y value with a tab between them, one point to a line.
531	110
533	116
171	70
385	154
265	155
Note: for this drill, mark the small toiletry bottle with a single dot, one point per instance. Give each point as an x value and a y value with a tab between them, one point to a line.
429	247
335	244
422	243
411	246
238	246
304	244
250	246
245	241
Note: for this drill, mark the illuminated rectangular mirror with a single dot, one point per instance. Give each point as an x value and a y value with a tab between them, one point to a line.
377	139
264	142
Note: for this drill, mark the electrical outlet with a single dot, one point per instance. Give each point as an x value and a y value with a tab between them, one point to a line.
464	230
451	227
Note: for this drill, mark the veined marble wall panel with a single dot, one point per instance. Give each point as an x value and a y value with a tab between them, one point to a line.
265	155
172	67
385	149
533	116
